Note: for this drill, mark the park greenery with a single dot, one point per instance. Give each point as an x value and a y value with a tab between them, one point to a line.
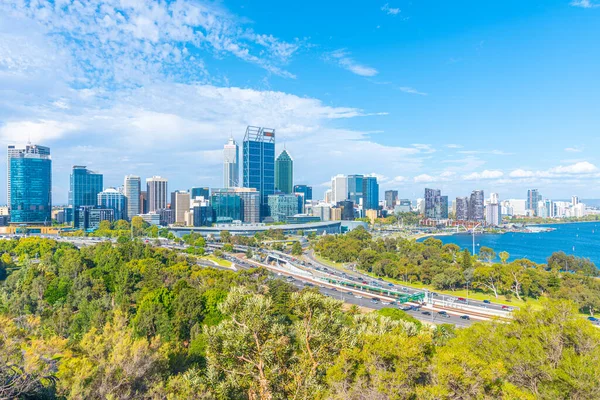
127	320
446	267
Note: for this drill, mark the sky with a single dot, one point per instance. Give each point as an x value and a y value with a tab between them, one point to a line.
462	95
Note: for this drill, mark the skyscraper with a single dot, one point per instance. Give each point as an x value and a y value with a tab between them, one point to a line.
30	185
339	188
283	206
436	205
180	203
391	198
84	188
370	193
132	190
533	199
200	192
157	193
462	209
304	190
355	189
13	152
231	169
115	200
284	172
477	206
259	163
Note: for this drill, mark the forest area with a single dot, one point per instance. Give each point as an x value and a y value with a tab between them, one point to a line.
133	321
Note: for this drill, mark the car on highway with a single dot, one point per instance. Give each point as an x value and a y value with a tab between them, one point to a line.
358	296
593	319
443	314
385	303
462	299
487	302
465	317
506	308
390	284
425	313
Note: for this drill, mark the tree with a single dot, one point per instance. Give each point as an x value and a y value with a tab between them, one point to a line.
104	225
488	276
297	249
467	261
251	349
504	256
225	236
138	225
486	254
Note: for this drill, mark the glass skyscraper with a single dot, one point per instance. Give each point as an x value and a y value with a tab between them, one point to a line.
227	206
370	193
30	185
84	188
200	192
115	200
304	190
284	173
355	188
259	163
132	188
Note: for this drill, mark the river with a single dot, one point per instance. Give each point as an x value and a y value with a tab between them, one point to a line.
578	239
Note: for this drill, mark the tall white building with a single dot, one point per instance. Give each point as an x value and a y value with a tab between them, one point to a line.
421	206
493	214
339	188
574	200
231	170
494	198
180	204
157	193
132	189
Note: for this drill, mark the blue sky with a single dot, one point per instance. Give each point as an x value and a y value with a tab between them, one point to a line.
462	95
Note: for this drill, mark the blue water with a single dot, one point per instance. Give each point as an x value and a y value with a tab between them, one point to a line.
578	239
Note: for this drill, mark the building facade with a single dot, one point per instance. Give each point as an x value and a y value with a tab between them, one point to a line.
89	217
84	188
305	190
355	189
477	206
370	193
462	209
493	214
533	199
115	200
30	185
339	188
227	206
180	204
391	198
347	208
436	205
156	189
259	163
283	206
284	173
132	187
200	192
231	168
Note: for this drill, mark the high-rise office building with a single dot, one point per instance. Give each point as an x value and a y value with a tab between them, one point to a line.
355	189
370	193
115	200
180	204
436	205
231	168
462	209
259	163
283	206
89	217
30	185
493	214
391	198
227	205
533	199
347	208
284	173
249	206
200	192
339	188
574	200
14	151
157	193
144	202
84	188
403	206
304	190
477	206
132	188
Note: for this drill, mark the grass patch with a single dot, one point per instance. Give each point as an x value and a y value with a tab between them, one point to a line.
219	261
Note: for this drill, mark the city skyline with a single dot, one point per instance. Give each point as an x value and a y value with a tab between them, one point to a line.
416	108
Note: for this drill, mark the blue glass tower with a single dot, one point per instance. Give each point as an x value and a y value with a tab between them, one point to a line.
259	164
84	189
370	193
355	188
115	200
31	186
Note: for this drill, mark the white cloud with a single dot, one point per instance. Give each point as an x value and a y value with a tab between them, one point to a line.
575	169
343	59
410	90
454	146
584	4
486	174
389	10
424	178
582	169
575	149
36	131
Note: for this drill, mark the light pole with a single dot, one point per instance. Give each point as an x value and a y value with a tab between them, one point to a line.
473	233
